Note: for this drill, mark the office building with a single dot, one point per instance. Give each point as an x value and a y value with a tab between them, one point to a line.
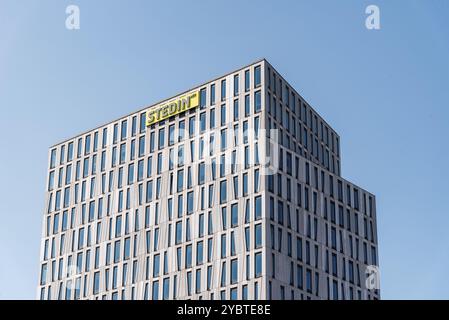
178	201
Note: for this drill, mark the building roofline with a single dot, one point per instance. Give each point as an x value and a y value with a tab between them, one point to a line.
302	98
160	101
193	88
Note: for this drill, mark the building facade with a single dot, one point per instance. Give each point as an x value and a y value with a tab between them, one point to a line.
231	190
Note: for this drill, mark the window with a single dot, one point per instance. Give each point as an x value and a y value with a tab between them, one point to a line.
182	127
155	290
141	146
171	134
201	225
122	153
234	271
258	207
190	202
127	249
258	264
191	126
96	282
178	238
247	81
199	253
51	181
143	118
299	277
87	145
156	265
212	119
203	98
223	89
189	256
236	109
257	101
247	239
258	236
70	152
105	138
223	274
130	173
223	246
161	138
201	173
189	283
236	85
257	77
212	94
180	183
234	215
222	114
166	289
116	251
223	196
202	122
209	277
53	158
198	281
124	130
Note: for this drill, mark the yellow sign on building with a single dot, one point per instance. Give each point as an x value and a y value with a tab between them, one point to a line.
173	107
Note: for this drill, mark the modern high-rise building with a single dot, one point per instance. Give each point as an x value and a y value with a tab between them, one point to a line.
230	190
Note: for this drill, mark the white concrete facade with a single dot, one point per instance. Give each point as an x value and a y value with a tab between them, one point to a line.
134	214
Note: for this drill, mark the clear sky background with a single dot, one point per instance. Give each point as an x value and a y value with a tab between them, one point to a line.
385	92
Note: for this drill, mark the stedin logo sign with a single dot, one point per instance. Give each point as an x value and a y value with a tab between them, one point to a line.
171	108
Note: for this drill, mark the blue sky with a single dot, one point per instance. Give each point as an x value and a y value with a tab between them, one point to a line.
386	93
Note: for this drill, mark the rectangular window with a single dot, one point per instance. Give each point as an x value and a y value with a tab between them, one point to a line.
257	77
223	89
189	256
258	208
223	246
161	138
234	215
155	290
203	98
87	145
166	289
258	236
198	281
212	94
105	138
178	238
202	122
236	85
223	196
190	202
258	264
53	158
124	130
234	271
191	126
199	253
257	101
236	109
156	265
70	152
